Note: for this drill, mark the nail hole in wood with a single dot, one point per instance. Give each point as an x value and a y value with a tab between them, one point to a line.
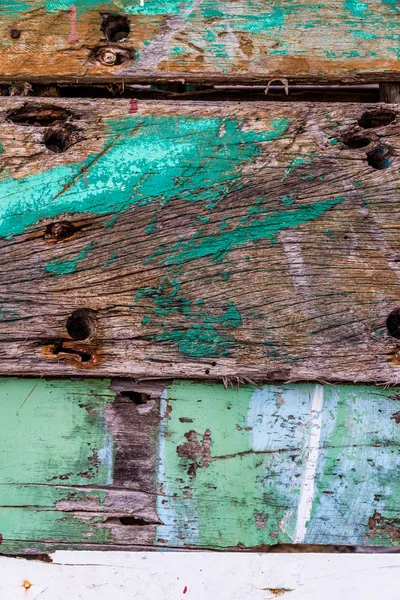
37	115
393	323
136	397
357	141
371	120
59	231
81	324
380	157
116	28
15	33
57	140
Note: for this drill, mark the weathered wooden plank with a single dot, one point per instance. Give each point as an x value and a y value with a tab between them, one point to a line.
226	576
189	465
195	40
200	240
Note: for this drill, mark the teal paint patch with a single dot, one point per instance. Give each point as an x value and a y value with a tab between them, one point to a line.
66	267
287	200
198	333
155	7
217	246
357	9
156	156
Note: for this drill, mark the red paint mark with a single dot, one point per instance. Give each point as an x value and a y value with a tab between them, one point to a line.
185	589
133	107
74	33
1	538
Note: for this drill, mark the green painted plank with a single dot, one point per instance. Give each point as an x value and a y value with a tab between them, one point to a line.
89	465
200	40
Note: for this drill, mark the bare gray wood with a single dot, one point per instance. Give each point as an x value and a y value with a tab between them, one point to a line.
207	240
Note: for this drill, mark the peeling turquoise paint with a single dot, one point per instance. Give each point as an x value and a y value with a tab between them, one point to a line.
156	159
357	9
217	246
155	7
66	267
198	333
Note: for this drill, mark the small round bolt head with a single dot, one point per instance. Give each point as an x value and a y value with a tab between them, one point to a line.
108	57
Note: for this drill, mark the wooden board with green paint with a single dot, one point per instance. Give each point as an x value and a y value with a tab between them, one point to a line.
199	40
90	464
206	240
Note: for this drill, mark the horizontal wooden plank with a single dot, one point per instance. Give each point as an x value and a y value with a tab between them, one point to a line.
89	464
182	575
205	240
198	40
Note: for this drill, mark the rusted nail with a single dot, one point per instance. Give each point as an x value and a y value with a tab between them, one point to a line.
15	33
108	57
26	584
60	230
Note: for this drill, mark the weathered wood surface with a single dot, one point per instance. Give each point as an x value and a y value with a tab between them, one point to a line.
87	465
200	575
200	240
200	40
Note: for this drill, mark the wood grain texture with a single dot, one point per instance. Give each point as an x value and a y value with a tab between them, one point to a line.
203	240
89	464
201	40
200	575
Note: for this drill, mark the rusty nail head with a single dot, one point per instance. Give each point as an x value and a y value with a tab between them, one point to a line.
15	33
108	57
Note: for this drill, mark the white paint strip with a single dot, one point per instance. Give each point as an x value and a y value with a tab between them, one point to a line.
308	484
201	576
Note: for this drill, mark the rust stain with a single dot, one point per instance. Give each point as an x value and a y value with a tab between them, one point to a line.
26	584
396	417
198	454
378	525
79	355
278	591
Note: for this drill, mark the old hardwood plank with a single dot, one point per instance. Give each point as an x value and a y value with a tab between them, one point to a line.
208	40
200	575
205	240
187	465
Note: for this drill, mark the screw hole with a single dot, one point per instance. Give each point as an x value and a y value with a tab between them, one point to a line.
59	231
116	28
136	397
207	371
375	119
81	325
57	140
393	323
380	157
357	142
